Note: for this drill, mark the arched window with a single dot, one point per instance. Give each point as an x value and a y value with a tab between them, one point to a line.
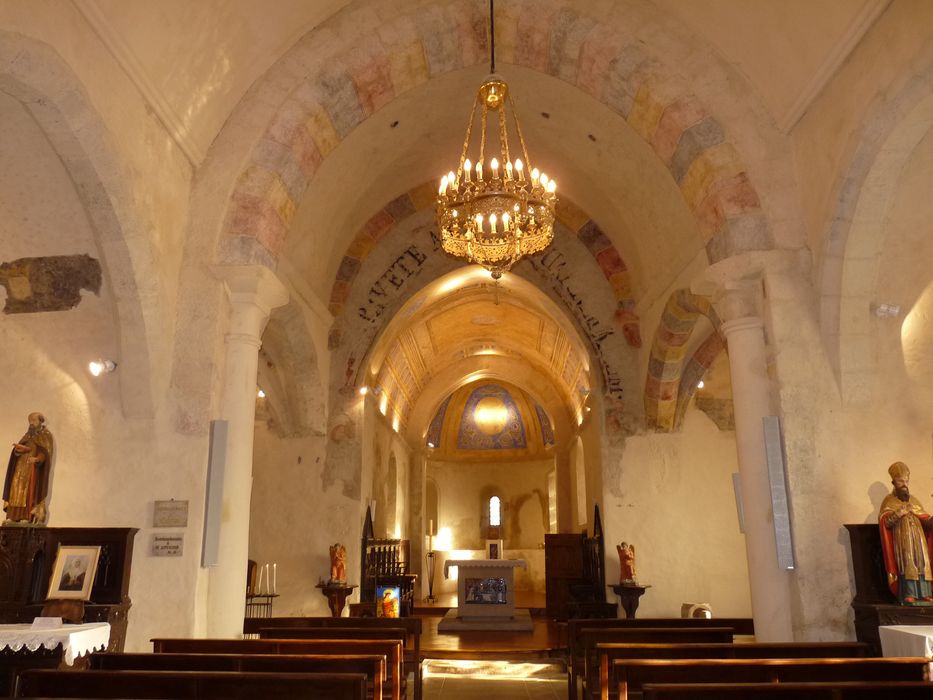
495	512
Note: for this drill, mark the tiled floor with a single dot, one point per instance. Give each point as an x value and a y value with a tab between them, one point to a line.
493	680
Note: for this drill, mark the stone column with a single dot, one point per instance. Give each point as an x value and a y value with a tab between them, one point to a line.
565	505
751	395
252	291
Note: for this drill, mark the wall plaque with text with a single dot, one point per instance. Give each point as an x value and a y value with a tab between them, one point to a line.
168	545
170	514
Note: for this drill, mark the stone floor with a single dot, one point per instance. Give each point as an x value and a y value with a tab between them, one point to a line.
493	680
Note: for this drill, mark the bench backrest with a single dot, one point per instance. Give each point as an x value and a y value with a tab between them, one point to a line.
850	690
608	652
390	648
632	674
185	685
335	633
373	666
587	662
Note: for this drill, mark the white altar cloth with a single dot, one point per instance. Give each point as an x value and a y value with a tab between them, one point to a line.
76	640
906	640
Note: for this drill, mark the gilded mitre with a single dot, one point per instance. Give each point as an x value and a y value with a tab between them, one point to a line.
899	470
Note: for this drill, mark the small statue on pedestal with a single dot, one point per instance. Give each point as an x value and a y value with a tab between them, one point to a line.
338	563
27	477
626	562
906	541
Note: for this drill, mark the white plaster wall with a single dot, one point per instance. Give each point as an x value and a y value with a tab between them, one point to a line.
460	502
294	520
674	502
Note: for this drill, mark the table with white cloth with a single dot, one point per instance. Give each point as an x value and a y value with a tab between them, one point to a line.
906	640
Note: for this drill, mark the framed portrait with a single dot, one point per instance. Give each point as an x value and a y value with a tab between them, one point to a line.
73	573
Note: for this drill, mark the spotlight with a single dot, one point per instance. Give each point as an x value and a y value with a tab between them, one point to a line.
364	390
700	384
101	366
260	393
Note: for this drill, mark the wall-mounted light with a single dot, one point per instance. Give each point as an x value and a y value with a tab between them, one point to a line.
700	384
260	393
101	366
364	390
431	445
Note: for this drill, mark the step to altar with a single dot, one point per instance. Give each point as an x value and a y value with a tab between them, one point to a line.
519	622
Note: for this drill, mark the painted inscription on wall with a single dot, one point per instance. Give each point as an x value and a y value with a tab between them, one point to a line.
554	266
399	271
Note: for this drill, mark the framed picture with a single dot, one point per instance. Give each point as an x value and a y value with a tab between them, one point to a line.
494	549
388	600
73	573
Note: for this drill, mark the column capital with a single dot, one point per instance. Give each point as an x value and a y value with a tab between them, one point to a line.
252	284
745	323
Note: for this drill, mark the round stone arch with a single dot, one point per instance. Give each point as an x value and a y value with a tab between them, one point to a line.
380	225
33	73
891	131
332	80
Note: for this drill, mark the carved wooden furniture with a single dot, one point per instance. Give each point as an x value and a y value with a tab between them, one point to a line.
385	562
27	555
874	604
574	575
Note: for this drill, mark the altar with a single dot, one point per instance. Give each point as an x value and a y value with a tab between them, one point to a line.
485	596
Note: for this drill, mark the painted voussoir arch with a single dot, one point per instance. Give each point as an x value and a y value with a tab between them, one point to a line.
387	57
379	225
671	380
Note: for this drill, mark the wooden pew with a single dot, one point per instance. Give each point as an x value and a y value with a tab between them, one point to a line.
413	625
390	648
191	685
849	690
571	630
609	652
632	674
373	666
585	662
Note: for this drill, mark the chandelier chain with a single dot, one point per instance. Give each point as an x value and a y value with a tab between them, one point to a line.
466	143
521	137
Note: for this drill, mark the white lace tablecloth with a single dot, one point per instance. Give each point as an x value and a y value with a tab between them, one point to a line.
76	640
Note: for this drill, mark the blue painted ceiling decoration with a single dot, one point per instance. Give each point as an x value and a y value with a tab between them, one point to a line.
547	431
491	421
433	438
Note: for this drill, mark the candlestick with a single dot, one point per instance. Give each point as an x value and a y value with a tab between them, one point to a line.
274	588
268	580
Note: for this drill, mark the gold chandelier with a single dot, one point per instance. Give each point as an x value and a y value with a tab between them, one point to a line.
494	212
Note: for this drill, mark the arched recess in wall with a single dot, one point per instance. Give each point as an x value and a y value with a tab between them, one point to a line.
892	130
289	374
33	73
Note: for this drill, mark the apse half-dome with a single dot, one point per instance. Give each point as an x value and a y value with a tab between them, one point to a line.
489	421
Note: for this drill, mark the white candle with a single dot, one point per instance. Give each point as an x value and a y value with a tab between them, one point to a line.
268	580
430	527
274	567
258	590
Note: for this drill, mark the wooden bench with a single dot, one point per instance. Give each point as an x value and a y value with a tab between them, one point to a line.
585	662
188	685
373	666
413	625
849	690
569	635
390	648
608	652
633	674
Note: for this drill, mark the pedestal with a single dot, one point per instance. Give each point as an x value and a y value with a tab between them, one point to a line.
629	595
336	594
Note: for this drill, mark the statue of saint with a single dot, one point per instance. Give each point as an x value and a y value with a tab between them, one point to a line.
626	562
338	563
27	476
906	540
